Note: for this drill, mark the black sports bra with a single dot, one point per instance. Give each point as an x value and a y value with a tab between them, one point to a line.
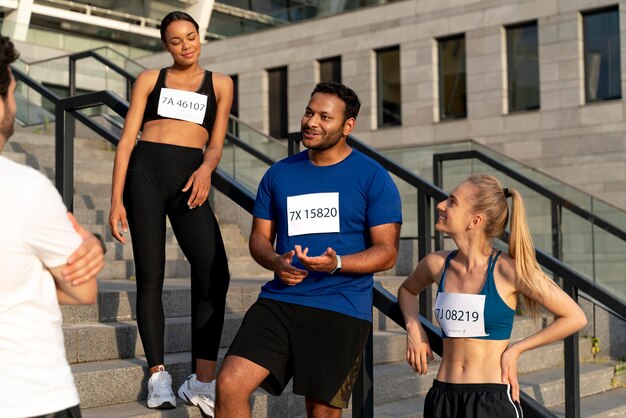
206	89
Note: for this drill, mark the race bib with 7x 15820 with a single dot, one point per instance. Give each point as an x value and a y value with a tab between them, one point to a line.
314	213
183	105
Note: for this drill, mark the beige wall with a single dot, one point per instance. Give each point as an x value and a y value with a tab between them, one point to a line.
583	145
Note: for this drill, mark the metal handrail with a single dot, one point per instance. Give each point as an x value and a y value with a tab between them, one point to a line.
66	109
554	197
59	57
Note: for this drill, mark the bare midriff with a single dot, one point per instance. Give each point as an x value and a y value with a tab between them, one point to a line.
468	360
175	132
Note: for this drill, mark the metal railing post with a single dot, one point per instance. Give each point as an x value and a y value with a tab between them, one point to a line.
363	393
572	365
72	74
423	248
293	143
64	156
438	181
556	218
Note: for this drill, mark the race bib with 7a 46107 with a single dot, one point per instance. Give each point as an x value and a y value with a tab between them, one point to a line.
315	213
183	105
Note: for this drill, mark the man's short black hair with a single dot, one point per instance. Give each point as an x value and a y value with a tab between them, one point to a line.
8	54
346	94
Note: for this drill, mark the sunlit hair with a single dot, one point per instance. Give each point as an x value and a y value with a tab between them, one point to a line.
173	17
488	198
8	54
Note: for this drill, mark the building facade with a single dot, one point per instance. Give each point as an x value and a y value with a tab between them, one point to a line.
539	80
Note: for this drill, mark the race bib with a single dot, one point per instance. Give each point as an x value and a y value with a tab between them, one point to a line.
183	105
461	315
315	213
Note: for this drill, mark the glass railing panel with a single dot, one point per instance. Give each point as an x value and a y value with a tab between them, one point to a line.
408	194
609	213
242	166
52	74
33	109
265	144
420	162
91	75
121	60
609	262
590	250
420	159
566	191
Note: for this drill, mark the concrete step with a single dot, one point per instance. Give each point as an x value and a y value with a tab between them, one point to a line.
263	405
125	269
116	300
609	404
548	386
551	356
396	381
88	342
120	340
126	383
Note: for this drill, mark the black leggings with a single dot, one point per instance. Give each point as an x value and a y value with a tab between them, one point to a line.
156	176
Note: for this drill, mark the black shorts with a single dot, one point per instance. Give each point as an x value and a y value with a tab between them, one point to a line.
320	349
470	400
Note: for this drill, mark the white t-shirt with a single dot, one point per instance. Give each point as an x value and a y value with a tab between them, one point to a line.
35	378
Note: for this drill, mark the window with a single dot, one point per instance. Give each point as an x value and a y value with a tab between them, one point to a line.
523	66
452	82
278	102
330	69
602	55
388	86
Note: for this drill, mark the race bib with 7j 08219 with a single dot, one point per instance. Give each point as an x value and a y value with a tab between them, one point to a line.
461	315
315	213
183	105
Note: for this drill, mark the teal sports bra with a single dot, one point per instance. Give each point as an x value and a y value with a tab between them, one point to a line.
498	316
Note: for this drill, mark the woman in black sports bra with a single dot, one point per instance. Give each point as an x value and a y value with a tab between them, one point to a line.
476	301
182	112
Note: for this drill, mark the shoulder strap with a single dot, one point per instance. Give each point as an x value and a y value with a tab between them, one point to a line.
161	78
207	84
492	261
450	256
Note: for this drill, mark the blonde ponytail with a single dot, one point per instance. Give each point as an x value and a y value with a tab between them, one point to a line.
490	199
522	250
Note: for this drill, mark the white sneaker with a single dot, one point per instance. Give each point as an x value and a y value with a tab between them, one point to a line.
160	393
199	394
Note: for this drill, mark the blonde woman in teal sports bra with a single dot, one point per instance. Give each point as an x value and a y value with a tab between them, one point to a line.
477	294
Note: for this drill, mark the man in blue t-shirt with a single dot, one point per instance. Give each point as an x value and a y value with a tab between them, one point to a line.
334	216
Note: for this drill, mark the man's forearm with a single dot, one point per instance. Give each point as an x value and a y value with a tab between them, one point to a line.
374	259
262	251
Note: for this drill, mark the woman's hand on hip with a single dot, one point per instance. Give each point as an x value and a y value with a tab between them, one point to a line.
200	183
117	216
508	363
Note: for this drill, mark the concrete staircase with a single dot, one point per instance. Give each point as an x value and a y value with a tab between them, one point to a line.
104	349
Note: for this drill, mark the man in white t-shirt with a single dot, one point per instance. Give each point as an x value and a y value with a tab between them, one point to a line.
44	260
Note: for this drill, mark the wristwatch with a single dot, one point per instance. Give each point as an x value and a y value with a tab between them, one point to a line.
338	268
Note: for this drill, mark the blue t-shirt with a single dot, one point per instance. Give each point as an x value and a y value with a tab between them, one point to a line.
327	206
